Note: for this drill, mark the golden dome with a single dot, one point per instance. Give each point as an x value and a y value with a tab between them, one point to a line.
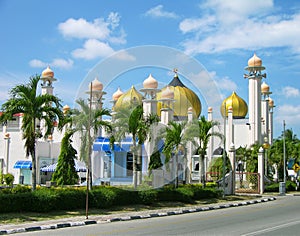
117	94
184	98
210	109
255	61
190	109
150	83
48	73
237	104
265	89
131	98
96	85
167	93
271	102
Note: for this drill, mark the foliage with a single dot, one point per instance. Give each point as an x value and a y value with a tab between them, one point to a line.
65	172
216	166
202	130
274	187
54	199
35	108
9	179
155	161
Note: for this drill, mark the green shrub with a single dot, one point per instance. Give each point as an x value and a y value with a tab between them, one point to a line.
274	187
148	197
9	179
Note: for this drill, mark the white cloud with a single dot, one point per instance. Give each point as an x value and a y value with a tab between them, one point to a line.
289	113
226	84
124	56
289	91
92	49
158	12
113	19
62	63
57	62
191	25
81	28
35	63
231	26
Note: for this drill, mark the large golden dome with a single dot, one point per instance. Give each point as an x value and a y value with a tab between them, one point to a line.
130	98
239	106
184	98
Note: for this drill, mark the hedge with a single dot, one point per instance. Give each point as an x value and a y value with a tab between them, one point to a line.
22	199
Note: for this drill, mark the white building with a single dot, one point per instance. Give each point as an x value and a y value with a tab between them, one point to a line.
173	102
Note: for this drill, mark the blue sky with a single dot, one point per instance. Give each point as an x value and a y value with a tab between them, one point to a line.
73	37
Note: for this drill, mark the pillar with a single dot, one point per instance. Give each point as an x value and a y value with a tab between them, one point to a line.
261	170
6	151
232	162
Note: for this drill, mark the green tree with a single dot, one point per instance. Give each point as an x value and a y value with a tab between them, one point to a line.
175	141
84	119
65	172
35	108
202	130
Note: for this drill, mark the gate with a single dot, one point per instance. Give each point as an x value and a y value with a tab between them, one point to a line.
246	182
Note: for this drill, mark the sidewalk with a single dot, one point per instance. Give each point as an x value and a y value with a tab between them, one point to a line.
98	219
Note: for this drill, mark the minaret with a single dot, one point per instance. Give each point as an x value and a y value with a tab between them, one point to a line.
210	148
270	131
167	109
96	95
254	68
150	90
115	98
265	91
48	78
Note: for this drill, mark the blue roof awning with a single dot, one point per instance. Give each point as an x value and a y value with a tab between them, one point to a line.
23	165
102	144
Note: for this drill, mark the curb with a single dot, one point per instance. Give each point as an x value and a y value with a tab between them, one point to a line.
133	217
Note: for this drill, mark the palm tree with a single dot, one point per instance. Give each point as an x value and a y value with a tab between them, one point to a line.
130	120
175	140
24	99
83	120
202	130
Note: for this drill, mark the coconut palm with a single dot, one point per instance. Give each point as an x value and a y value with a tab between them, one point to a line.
83	120
202	130
35	108
175	141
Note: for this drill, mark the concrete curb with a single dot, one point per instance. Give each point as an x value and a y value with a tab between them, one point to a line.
134	217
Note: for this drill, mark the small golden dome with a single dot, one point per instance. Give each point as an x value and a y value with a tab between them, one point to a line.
50	137
47	73
190	109
265	89
131	98
237	104
6	135
210	109
150	83
255	61
117	94
167	93
271	102
97	86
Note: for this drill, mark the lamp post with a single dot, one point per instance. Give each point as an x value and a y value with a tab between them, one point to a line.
224	151
284	157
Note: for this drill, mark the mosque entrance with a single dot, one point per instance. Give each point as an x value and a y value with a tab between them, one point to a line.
246	182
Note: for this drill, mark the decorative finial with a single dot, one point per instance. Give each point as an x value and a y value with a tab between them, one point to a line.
175	70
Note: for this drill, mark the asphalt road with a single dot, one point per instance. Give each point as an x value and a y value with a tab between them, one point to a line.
280	217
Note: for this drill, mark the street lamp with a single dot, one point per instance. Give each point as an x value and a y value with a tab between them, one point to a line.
284	157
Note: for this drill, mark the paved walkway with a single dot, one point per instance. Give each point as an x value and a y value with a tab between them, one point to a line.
97	219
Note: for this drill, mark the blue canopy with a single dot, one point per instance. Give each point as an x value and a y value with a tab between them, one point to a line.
102	144
23	165
79	166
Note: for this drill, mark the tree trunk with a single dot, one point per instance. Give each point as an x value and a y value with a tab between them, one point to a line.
134	163
176	171
203	179
33	170
139	165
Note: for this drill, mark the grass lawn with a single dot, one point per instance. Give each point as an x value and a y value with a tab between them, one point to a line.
22	217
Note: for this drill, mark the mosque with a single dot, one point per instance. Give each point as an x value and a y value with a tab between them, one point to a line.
174	102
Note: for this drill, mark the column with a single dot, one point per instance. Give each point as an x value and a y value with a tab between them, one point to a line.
261	169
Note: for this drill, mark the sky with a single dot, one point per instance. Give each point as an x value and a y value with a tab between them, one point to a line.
122	42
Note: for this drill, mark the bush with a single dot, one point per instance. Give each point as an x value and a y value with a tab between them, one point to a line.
274	187
21	198
9	179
